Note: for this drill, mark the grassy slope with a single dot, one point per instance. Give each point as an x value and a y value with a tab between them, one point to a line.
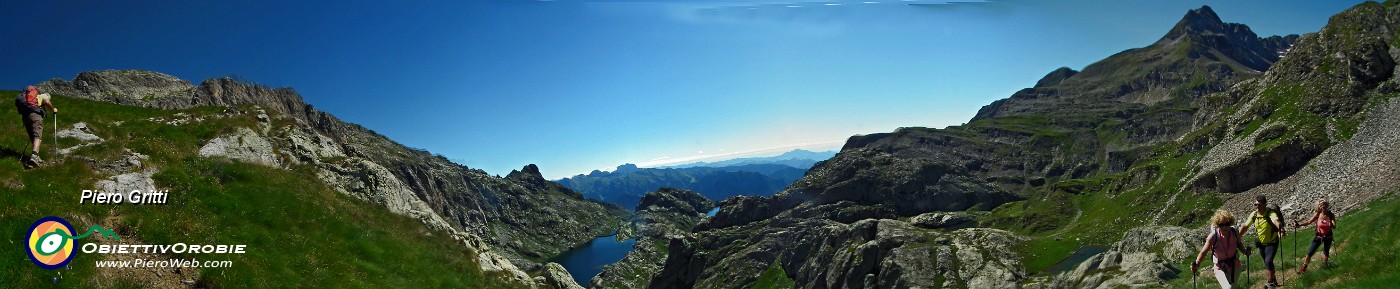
1067	214
1363	253
299	232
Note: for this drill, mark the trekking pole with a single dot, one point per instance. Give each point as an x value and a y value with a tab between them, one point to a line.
1193	278
55	136
1246	269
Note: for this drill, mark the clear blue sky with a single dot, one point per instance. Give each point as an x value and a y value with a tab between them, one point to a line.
580	85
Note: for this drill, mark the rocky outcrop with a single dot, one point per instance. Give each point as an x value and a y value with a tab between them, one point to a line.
243	144
554	276
873	253
158	90
1146	257
908	186
130	87
662	215
80	132
127	182
675	200
940	220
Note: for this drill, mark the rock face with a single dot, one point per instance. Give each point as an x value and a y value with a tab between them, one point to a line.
499	218
872	253
662	216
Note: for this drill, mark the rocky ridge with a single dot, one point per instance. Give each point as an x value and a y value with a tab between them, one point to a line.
496	217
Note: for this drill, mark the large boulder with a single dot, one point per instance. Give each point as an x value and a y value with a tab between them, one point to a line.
243	144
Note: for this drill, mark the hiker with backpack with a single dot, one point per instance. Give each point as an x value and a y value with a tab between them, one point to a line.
1268	225
1326	221
1224	245
30	104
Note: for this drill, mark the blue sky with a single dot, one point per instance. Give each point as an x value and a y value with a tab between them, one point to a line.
575	86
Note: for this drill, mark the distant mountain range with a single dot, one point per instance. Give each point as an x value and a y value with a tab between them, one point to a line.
760	176
798	158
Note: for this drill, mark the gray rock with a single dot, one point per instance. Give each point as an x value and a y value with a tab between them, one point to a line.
125	183
243	144
305	145
938	220
555	277
1146	257
371	182
120	86
154	89
82	133
874	253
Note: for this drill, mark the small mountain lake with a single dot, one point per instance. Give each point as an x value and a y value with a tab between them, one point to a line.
588	260
1079	256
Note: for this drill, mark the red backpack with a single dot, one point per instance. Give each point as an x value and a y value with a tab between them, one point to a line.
28	101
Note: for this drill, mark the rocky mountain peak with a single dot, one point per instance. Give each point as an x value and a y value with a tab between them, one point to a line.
626	168
530	171
1197	21
1205	32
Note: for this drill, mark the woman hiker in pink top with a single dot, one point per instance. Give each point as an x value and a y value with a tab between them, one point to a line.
1224	244
1326	221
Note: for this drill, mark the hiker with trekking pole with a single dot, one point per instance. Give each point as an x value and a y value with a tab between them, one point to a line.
1267	224
1224	244
30	104
1326	222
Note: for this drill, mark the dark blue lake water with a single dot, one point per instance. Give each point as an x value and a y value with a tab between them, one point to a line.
588	260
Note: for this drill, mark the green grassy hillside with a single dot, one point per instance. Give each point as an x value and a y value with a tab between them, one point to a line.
1363	254
298	231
